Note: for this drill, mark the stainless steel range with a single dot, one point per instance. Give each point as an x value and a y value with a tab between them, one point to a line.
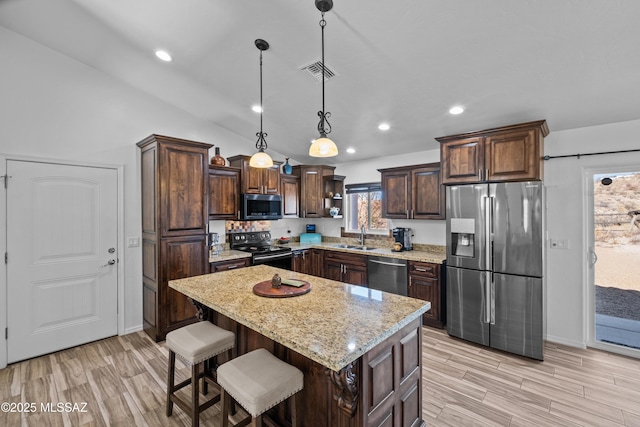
258	243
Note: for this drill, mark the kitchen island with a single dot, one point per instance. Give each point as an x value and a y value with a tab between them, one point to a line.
359	349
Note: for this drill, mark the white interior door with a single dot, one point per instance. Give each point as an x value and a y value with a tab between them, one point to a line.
62	256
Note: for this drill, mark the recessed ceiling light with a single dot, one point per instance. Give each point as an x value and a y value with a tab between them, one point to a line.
257	108
383	126
164	55
350	150
456	110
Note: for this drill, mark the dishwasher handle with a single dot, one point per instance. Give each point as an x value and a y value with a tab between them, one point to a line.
393	264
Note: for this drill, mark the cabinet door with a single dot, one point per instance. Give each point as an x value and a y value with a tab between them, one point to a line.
311	198
317	262
271	180
513	156
427	290
333	270
297	263
224	186
183	181
251	179
181	257
427	194
290	191
355	274
395	194
462	160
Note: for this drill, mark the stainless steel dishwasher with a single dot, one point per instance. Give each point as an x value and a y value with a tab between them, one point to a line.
387	274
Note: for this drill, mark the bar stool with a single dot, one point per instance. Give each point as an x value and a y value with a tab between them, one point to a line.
258	381
194	344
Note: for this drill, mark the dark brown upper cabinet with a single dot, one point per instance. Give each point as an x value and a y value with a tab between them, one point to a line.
413	192
257	180
312	179
224	192
509	153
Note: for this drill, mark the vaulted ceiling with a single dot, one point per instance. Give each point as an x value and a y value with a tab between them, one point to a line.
574	63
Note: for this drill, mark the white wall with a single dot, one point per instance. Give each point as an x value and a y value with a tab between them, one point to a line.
55	107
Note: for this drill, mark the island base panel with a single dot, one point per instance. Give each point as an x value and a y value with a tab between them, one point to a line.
381	388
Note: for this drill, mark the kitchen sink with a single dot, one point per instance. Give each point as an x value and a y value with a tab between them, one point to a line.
357	247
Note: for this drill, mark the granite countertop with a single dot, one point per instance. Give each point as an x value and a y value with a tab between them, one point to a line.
334	324
434	254
229	255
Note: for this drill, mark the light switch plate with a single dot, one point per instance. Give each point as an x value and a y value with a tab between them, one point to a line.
133	242
559	244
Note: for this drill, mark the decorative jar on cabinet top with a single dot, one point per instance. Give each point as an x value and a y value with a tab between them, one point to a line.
218	159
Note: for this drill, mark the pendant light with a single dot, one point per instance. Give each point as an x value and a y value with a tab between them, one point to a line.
323	146
261	159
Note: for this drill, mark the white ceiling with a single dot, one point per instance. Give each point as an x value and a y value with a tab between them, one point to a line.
574	63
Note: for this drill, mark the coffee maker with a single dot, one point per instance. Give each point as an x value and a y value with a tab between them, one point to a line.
403	236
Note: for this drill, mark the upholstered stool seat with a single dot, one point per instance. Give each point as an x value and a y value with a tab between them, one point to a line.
258	381
194	344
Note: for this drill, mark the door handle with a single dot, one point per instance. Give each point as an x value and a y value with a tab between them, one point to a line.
487	296
488	220
594	257
493	300
110	262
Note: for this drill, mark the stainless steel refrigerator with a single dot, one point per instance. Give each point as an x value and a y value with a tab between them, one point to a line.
495	265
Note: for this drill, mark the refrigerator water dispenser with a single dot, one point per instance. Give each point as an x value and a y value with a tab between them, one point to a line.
463	237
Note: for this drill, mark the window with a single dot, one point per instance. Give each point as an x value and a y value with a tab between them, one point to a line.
364	207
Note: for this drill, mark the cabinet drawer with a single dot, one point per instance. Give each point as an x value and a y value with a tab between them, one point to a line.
229	265
426	269
346	258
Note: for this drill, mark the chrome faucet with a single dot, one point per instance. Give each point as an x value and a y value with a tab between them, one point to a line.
361	240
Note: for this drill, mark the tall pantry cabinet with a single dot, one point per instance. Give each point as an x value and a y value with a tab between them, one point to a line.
174	227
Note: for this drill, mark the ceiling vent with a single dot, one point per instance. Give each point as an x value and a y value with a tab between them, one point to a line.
315	70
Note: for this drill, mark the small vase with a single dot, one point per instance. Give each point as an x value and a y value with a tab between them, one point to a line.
218	159
287	168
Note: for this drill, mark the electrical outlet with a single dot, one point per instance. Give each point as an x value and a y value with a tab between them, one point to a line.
133	242
559	244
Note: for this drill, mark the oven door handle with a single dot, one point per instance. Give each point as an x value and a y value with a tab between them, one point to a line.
268	257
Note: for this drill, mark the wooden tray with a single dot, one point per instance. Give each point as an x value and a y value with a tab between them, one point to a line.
264	289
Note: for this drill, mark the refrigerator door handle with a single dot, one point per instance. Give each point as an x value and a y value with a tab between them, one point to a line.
493	300
488	238
487	296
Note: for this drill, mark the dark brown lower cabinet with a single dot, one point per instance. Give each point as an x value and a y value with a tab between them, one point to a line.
426	283
182	257
215	267
345	267
301	261
317	262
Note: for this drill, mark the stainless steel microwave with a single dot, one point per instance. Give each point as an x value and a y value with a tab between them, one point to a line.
261	206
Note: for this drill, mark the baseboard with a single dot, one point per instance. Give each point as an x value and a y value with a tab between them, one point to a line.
133	329
564	341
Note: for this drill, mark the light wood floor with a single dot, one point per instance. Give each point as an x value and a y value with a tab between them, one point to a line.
122	381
